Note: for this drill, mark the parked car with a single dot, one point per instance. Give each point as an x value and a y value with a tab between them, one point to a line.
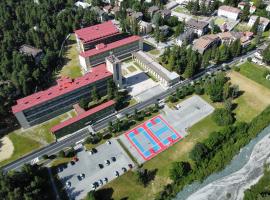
116	173
68	184
100	166
105	180
107	162
108	142
72	162
82	175
100	182
113	159
124	169
130	166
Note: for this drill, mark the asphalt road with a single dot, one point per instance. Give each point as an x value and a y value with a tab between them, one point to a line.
57	146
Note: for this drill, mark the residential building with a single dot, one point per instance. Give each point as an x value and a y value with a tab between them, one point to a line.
186	37
87	38
34	52
164	30
152	10
113	65
47	104
263	24
145	27
198	27
137	16
242	5
83	5
107	8
165	14
122	49
83	119
229	12
170	5
165	77
205	42
229	37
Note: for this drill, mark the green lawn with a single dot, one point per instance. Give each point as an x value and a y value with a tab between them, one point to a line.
154	52
255	73
181	9
219	21
242	27
131	68
28	140
71	68
22	146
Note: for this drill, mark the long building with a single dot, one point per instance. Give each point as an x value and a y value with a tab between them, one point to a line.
86	118
44	105
87	38
165	77
121	49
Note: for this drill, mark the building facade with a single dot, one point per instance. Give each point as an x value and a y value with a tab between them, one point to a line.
198	27
165	77
84	119
122	49
229	12
45	105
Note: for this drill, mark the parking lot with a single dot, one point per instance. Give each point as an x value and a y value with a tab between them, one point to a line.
102	165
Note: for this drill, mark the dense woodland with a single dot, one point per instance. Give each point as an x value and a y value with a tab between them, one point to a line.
31	183
44	25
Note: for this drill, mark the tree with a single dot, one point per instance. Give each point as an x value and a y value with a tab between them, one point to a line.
94	94
245	13
179	29
179	170
90	196
83	103
223	117
216	29
199	152
254	28
266	55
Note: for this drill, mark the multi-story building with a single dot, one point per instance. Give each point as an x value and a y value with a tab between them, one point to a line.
205	42
88	38
44	105
229	12
165	77
121	49
263	22
198	27
83	119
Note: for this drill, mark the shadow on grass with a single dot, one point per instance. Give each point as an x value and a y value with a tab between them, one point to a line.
104	194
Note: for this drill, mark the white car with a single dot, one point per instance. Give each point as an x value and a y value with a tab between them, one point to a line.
100	182
116	173
108	142
68	184
107	162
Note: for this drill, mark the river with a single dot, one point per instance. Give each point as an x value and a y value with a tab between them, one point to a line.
244	170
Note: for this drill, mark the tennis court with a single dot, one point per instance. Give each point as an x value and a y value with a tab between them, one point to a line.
152	137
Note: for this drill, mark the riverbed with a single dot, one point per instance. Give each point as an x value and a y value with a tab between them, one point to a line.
245	170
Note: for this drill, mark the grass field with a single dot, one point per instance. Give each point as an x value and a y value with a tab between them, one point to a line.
254	99
219	21
181	9
71	68
242	27
28	140
255	73
131	68
22	146
154	52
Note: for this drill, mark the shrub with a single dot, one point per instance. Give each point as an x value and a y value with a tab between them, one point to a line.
61	154
223	117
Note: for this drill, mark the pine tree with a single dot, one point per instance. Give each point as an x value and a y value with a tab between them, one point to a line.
255	26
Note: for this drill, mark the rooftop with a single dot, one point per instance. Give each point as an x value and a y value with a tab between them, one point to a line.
229	9
64	85
203	42
263	20
156	67
29	50
82	115
109	46
97	31
197	24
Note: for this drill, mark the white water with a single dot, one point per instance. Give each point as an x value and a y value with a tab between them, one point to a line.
244	170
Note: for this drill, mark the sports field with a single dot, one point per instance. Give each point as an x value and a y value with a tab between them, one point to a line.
152	137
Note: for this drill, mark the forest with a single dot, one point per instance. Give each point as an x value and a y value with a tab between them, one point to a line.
43	24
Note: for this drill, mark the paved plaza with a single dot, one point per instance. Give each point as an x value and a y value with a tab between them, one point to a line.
89	165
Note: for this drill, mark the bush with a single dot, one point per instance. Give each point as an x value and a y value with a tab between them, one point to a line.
249	59
179	170
223	117
237	69
83	103
199	90
45	157
61	154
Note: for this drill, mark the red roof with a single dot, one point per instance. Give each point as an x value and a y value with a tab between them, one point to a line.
97	31
64	85
83	115
100	48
